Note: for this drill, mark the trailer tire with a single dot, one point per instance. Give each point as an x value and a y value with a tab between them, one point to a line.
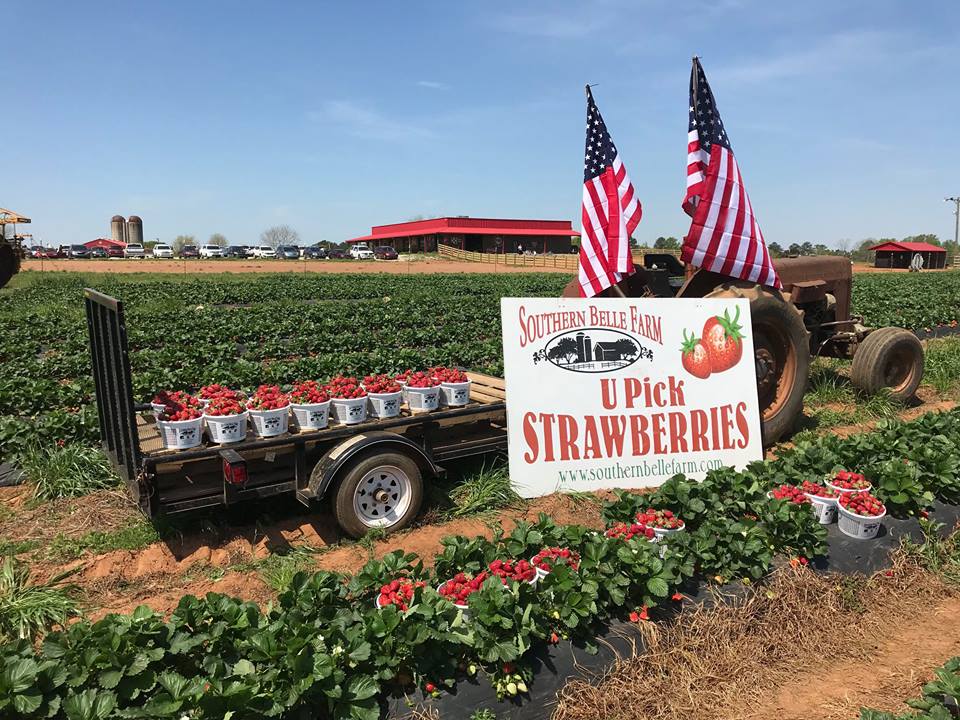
889	358
781	346
378	490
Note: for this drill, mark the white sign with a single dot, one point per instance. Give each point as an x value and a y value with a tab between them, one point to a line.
612	392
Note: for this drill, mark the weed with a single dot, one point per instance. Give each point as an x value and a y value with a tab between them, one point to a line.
17	547
942	364
936	554
67	471
278	569
484	714
132	537
828	386
852	589
583	499
369	541
486	491
28	610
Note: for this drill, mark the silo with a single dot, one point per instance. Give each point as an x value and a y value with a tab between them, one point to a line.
135	230
118	228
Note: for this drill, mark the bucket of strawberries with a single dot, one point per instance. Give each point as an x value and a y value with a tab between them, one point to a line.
454	386
848	482
180	423
823	500
226	420
383	395
269	410
421	390
461	586
209	393
860	515
398	592
349	400
310	404
549	557
166	399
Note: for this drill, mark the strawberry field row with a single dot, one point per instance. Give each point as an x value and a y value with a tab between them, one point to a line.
325	648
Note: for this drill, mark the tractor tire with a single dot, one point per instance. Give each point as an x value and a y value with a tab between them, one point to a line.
9	263
889	358
781	347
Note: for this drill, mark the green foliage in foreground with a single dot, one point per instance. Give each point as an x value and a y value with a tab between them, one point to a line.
68	471
26	608
938	698
323	648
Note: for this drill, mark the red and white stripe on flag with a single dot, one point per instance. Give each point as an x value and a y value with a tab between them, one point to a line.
610	211
724	236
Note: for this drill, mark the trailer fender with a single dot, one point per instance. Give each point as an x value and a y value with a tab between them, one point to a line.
327	467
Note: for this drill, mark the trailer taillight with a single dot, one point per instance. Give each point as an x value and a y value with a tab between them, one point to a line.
234	468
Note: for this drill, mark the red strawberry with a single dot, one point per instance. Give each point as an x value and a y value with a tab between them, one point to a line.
694	355
430	688
723	339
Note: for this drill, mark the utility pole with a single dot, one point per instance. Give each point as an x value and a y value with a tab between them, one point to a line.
956	212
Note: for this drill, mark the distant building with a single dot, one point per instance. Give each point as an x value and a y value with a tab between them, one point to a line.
104	243
899	255
487	235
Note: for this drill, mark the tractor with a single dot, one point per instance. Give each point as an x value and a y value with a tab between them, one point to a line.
810	317
11	248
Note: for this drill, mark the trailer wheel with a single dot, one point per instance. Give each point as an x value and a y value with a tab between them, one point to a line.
889	358
781	348
382	490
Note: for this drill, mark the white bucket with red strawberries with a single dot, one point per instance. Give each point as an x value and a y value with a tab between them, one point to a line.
454	386
270	423
181	434
311	416
349	411
384	395
226	429
422	392
860	515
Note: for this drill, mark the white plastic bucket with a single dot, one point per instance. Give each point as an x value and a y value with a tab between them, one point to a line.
311	416
421	400
226	429
158	409
270	423
660	534
859	527
825	509
384	405
455	394
181	434
836	489
350	411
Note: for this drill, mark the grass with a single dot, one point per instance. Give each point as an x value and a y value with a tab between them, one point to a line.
942	369
131	537
278	568
485	491
17	547
936	554
67	471
28	610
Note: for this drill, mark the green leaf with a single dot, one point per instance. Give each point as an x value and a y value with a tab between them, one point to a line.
658	587
27	702
244	667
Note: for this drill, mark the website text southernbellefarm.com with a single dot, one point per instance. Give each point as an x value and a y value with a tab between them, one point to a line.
646	468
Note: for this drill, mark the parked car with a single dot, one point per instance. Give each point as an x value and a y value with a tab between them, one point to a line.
64	251
211	251
337	254
361	252
189	251
114	251
99	252
288	252
263	251
235	251
162	250
134	250
79	252
314	253
385	252
52	253
36	251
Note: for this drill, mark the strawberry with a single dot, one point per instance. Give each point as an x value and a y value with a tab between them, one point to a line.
399	592
223	406
862	503
422	380
176	413
430	688
381	384
449	375
723	339
791	494
659	519
628	532
677	597
520	571
268	397
461	587
548	557
817	490
345	388
209	392
694	355
847	480
309	392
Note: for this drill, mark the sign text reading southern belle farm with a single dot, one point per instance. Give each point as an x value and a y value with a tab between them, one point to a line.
626	393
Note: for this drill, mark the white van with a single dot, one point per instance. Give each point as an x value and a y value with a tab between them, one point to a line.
211	251
263	251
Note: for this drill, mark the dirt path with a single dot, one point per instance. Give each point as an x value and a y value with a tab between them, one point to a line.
896	670
400	267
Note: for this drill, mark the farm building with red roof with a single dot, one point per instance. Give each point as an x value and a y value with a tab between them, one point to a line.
486	235
899	254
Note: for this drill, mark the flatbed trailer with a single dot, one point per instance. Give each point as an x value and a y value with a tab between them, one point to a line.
373	471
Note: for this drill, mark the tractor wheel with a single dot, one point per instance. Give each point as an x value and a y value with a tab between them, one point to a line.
781	348
889	358
9	263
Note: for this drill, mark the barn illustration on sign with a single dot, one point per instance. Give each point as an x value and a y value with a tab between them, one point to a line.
599	350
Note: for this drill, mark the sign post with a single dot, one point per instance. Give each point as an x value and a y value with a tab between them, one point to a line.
614	392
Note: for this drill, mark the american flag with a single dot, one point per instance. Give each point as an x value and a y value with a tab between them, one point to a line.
610	213
724	236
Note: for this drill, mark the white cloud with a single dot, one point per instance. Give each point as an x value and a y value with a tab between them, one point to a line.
366	123
432	84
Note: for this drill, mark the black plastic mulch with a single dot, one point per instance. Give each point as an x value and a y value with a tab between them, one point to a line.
554	666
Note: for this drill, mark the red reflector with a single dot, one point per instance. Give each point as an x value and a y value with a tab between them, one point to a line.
235	473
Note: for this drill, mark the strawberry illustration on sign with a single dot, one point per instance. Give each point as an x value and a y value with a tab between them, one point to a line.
695	358
723	339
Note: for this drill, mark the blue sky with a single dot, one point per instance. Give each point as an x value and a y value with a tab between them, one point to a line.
230	117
